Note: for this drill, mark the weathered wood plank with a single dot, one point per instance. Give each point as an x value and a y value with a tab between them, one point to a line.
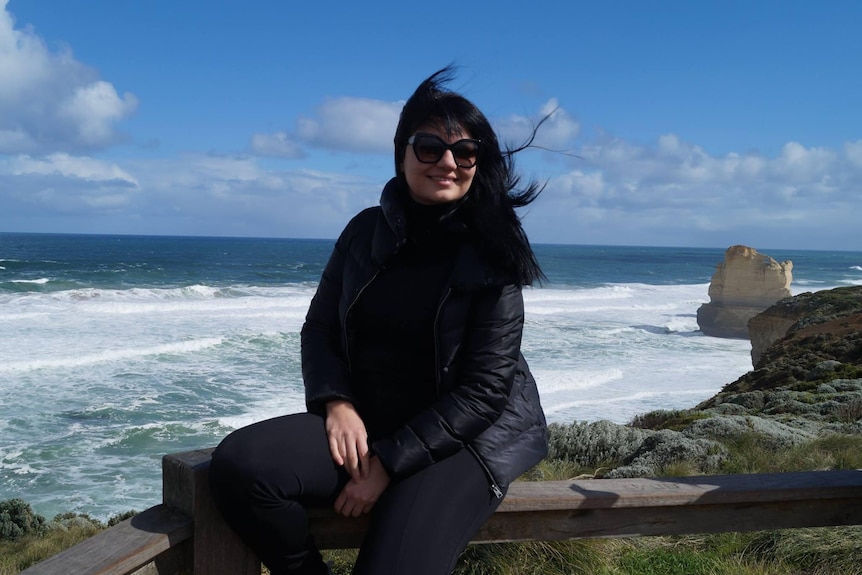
675	491
123	548
676	520
593	508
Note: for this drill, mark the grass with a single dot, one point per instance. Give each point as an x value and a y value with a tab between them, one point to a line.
752	453
15	556
40	539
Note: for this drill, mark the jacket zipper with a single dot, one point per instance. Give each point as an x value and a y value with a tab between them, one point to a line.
345	331
492	483
437	342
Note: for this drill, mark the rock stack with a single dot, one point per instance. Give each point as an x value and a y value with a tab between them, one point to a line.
743	285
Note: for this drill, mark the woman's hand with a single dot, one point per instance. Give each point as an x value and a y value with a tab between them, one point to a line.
348	440
360	495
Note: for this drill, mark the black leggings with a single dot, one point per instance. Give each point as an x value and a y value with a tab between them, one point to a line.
262	476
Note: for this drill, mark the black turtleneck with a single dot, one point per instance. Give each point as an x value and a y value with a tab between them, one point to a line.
391	325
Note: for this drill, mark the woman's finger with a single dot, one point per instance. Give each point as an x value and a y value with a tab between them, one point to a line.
335	450
364	458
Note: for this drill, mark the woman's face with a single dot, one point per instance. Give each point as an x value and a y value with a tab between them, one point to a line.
440	182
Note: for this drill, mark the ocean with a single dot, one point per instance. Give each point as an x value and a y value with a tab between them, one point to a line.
115	350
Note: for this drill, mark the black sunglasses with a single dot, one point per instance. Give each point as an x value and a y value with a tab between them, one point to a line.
430	148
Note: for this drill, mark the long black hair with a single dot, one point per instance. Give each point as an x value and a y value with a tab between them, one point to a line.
490	203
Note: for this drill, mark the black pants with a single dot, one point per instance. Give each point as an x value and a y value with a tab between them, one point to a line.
264	475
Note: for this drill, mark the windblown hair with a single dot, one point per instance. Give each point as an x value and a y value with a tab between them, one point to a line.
490	203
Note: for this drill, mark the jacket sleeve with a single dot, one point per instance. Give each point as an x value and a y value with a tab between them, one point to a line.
324	368
486	364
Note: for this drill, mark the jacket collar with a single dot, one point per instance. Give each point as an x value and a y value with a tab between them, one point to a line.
470	272
393	210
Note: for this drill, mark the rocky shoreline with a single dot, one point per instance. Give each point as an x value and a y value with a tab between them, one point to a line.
806	383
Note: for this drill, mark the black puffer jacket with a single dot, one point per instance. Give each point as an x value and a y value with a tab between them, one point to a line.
487	399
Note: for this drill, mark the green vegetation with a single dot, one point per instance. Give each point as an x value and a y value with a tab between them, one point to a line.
26	538
675	420
18	519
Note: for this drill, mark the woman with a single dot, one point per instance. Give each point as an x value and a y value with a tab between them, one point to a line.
421	408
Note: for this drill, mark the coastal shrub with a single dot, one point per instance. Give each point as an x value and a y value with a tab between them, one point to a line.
826	389
848	371
728	408
119	518
752	400
793	402
67	521
726	428
675	420
17	519
800	386
823	370
666	448
847	385
595	444
850	411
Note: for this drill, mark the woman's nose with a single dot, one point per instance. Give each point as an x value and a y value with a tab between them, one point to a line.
448	159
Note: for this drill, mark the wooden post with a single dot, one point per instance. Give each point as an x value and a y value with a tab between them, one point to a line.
216	548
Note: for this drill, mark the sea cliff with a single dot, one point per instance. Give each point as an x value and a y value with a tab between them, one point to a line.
807	384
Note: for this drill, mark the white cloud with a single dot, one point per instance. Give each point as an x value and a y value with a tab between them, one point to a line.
60	184
364	125
352	124
235	195
278	145
82	168
669	192
50	102
93	109
556	133
675	193
191	194
853	151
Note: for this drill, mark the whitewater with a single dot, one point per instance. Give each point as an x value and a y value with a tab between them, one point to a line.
112	357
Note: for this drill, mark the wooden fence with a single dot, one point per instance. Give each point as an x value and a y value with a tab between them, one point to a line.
186	534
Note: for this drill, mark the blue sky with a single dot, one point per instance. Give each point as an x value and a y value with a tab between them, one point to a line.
683	123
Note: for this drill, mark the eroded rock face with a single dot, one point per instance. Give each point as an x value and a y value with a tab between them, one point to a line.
769	326
743	285
826	313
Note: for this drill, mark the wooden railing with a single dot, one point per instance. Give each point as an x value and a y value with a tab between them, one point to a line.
186	534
